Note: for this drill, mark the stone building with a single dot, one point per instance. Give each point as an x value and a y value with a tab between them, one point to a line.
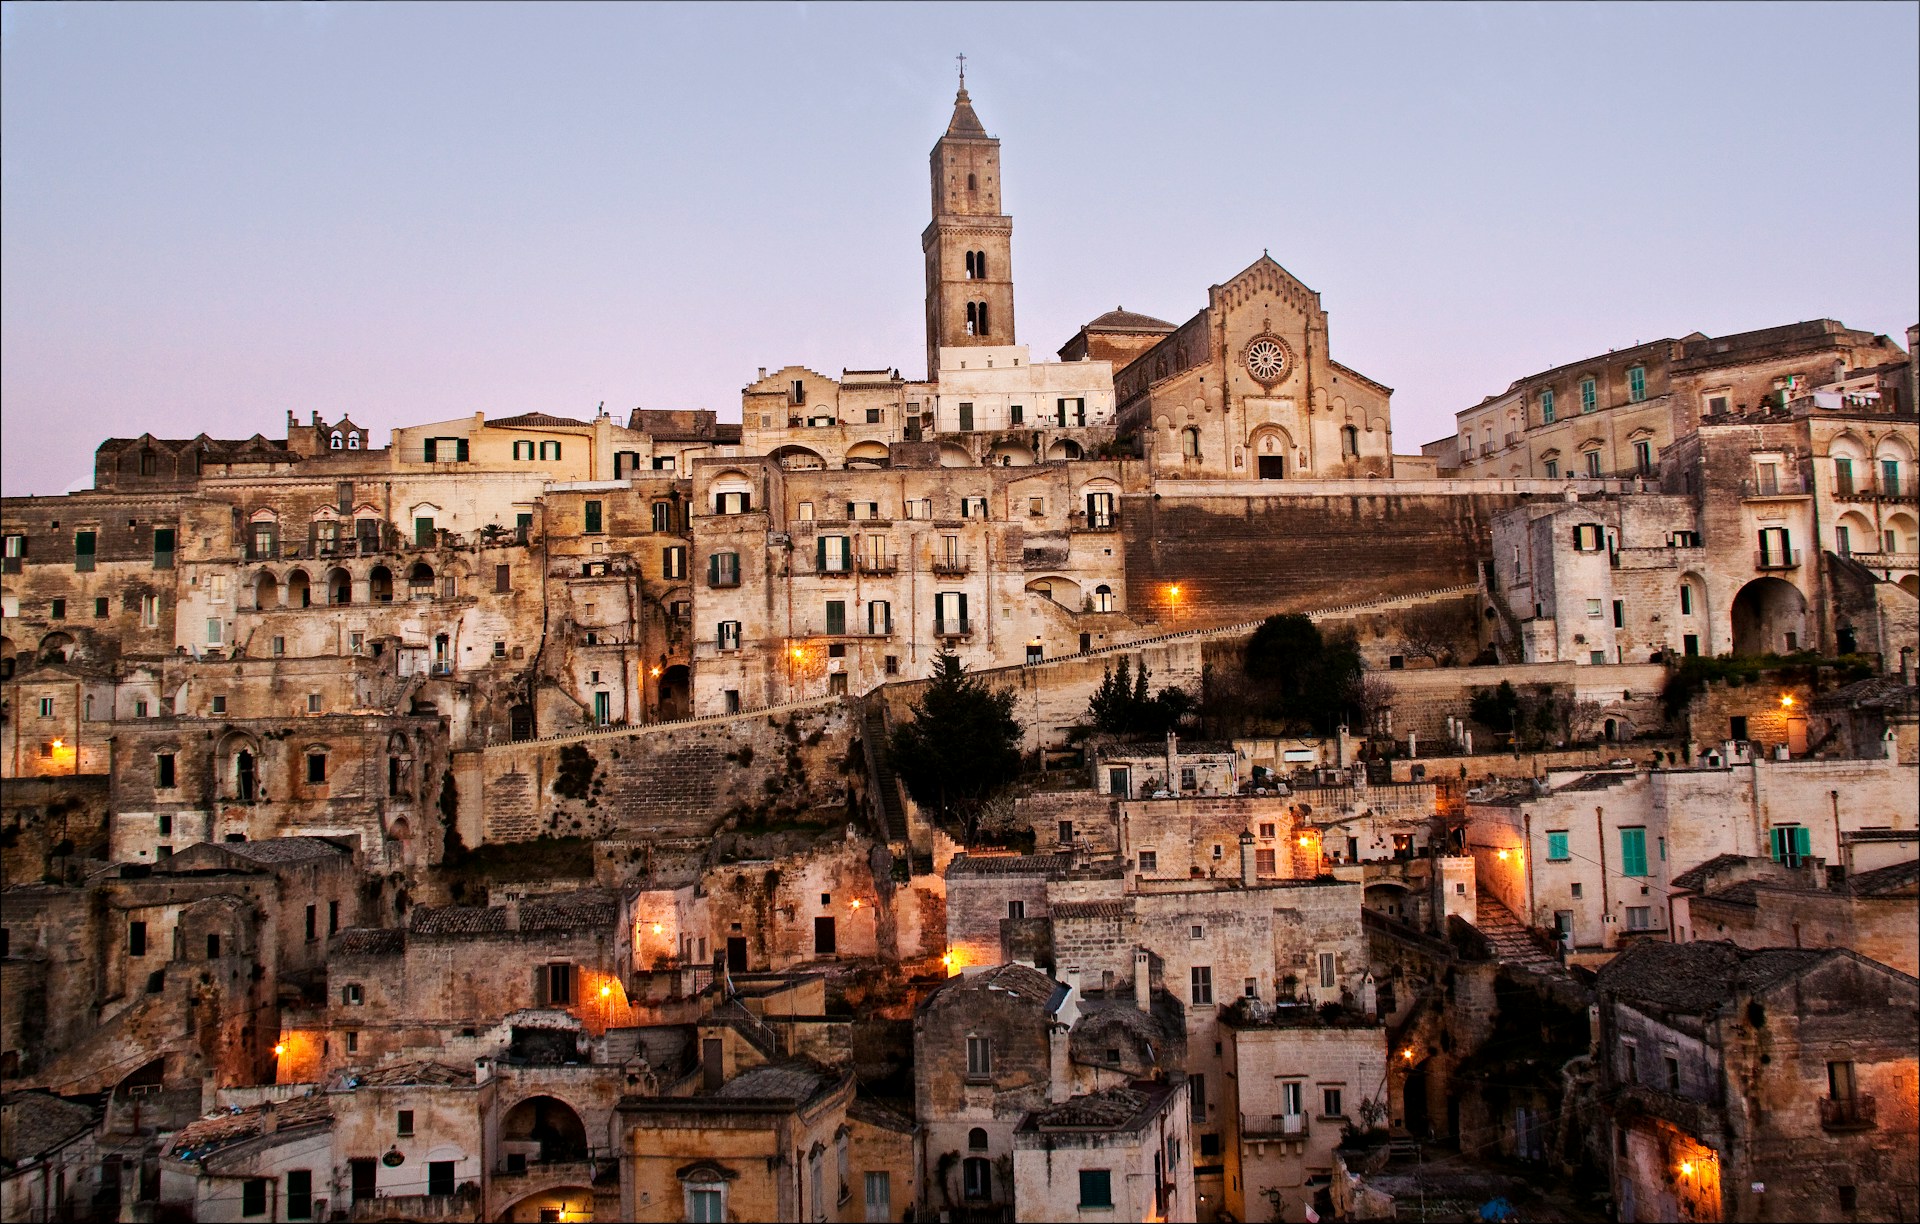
164	975
1615	413
1119	1153
1767	903
1247	389
1593	857
1747	1084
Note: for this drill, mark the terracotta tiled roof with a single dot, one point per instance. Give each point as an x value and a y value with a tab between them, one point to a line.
1007	864
1090	909
537	420
1698	978
285	849
583	910
415	1071
1697	877
370	941
36	1123
228	1127
1116	1108
1122	319
789	1081
1885	880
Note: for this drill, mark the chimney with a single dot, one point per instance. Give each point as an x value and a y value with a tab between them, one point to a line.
763	373
1248	875
512	908
1073	980
1142	983
1059	1063
269	1121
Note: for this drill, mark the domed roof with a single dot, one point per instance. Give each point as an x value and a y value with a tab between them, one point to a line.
1122	319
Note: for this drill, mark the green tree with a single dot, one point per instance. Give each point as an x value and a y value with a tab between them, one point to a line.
1302	678
962	745
1495	708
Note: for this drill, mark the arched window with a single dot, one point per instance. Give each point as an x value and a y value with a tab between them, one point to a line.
983	318
972	183
968	260
334	440
979	265
977	1139
1190	442
1103	598
1350	441
973	318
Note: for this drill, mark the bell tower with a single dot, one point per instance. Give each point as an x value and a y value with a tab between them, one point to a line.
969	244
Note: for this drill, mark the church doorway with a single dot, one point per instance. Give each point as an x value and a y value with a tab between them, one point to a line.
1273	467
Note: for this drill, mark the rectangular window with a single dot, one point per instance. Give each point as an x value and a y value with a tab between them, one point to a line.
253	1196
1332	1104
99	607
1639	917
1593	608
1327	971
1587	537
1769	482
663	516
966	417
836	616
559	983
1593	463
163	538
879	1198
83	545
1619	614
1197	1099
163	772
299	1194
1546	407
1096	1188
979	1057
1557	846
727	635
1292	1098
723	569
950	613
1016	909
1890	477
216	632
705	1205
57	609
879	617
732	503
1149	860
1643	457
136	938
1636	384
1553	469
16	553
1589	395
1264	863
548	450
316	767
1633	852
673	561
592	519
1202	982
440	1174
219	705
1791	844
1016	415
1686	600
46	707
833	554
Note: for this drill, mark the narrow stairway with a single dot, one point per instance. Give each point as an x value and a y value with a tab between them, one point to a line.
885	784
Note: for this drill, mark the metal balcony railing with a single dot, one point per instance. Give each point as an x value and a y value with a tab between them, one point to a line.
1847	1113
1782	559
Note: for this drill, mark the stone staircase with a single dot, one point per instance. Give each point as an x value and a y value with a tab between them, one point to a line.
886	786
1512	942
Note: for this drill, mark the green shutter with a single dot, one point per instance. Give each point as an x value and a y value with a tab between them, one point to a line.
460	450
963	612
836	616
427	450
1633	852
1556	847
1803	842
713	570
820	555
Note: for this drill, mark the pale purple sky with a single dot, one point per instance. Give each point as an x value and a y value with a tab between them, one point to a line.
214	214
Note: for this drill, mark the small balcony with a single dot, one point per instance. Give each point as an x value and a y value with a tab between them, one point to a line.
1854	1113
1783	559
952	565
953	628
877	565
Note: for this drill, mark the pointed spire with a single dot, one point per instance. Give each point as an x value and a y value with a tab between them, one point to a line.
965	122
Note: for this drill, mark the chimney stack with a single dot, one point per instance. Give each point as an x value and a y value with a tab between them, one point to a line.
1142	983
1073	979
1248	875
512	907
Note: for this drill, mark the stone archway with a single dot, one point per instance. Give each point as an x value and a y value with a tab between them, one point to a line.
1769	615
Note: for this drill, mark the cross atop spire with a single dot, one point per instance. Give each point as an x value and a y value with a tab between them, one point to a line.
965	122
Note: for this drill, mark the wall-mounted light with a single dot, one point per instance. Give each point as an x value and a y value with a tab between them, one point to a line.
279	1048
854	904
1786	701
657	928
606	990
